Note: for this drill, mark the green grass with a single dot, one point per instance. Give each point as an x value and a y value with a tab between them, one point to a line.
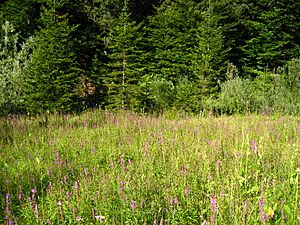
133	169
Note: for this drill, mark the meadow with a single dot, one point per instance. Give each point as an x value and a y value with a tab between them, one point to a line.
124	168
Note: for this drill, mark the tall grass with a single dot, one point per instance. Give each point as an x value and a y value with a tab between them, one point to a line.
123	168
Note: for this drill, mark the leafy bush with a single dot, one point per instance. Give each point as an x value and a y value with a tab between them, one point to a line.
237	96
267	93
12	63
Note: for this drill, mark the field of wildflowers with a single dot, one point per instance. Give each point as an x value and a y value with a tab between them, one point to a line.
124	168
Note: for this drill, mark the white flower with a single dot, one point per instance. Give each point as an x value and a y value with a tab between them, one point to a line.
100	218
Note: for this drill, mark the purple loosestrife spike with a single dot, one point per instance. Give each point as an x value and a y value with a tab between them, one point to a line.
76	185
68	194
49	172
133	205
174	201
263	216
57	160
187	192
20	196
213	205
122	185
65	179
254	146
8	221
7	198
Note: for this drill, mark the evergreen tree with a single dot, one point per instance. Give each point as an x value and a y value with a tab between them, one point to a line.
124	69
52	72
22	14
259	34
209	63
171	40
104	14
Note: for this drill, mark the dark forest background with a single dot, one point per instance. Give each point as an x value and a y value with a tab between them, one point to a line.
222	56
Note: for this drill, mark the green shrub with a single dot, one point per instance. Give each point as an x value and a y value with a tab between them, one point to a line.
11	70
275	93
237	96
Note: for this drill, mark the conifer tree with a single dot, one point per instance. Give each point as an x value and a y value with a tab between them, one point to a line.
209	63
272	35
124	68
171	40
52	72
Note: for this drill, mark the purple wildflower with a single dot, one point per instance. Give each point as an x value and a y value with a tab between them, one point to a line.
187	192
133	205
57	160
49	171
254	146
122	185
263	216
7	198
213	205
8	221
68	194
20	196
174	201
65	179
76	186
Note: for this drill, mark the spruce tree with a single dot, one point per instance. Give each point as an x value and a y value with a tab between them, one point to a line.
124	70
209	62
273	36
52	72
171	40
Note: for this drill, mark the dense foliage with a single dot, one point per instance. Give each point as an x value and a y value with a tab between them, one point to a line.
228	56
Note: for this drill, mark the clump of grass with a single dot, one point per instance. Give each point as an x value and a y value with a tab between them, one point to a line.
120	168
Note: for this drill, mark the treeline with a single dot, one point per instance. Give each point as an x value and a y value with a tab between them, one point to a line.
225	56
